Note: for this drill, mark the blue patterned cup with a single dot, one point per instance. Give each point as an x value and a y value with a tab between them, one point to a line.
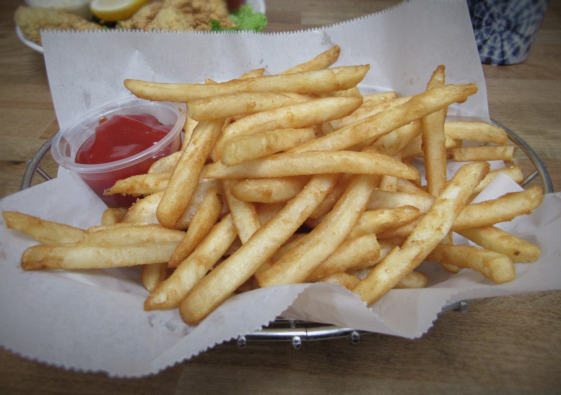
505	29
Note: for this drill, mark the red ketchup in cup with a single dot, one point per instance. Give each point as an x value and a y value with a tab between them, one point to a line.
118	140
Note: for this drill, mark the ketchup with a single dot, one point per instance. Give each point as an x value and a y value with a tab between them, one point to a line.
121	137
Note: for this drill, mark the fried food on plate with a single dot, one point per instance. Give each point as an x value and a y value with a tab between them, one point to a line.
32	20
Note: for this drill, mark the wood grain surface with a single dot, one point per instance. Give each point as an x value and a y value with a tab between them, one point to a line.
506	345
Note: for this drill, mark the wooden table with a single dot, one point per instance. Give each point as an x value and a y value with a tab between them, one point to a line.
502	345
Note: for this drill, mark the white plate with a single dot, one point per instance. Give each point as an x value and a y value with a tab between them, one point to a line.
258	6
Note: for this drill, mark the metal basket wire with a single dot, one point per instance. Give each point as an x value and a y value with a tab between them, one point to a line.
296	331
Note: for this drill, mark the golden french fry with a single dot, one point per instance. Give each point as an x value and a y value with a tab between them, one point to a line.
386	121
367	109
142	184
243	148
353	254
430	231
493	265
495	239
407	186
244	214
322	61
113	215
167	163
413	280
287	246
331	199
186	174
188	128
388	183
143	212
299	263
343	279
46	232
502	209
218	107
219	284
153	274
514	172
476	131
351	92
310	163
434	142
171	292
377	98
320	81
300	115
393	142
376	221
204	219
116	247
484	153
269	190
384	199
267	211
414	147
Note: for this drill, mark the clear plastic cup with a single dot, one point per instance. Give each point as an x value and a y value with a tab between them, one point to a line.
100	177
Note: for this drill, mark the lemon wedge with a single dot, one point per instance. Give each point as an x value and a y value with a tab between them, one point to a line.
115	10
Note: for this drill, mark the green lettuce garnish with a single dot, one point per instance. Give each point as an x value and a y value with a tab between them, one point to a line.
245	18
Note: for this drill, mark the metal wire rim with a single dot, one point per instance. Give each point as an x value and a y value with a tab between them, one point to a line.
310	331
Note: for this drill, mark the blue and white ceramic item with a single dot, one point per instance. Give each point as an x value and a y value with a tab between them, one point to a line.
505	29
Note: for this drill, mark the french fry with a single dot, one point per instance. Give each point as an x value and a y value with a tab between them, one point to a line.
322	61
130	246
321	242
495	239
287	246
514	172
353	254
376	221
384	199
153	274
343	279
502	209
243	148
204	219
407	186
476	131
295	116
393	142
386	121
244	214
415	148
493	265
484	153
321	81
267	211
46	232
113	215
167	163
310	163
219	284
171	292
430	231
142	184
413	280
218	107
388	183
333	197
186	174
143	212
367	110
269	190
188	128
377	98
434	145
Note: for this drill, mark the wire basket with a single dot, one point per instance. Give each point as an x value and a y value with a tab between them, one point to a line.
296	331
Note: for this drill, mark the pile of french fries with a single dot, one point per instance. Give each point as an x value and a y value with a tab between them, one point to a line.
298	177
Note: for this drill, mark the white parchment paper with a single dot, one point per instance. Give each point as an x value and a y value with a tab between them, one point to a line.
94	320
